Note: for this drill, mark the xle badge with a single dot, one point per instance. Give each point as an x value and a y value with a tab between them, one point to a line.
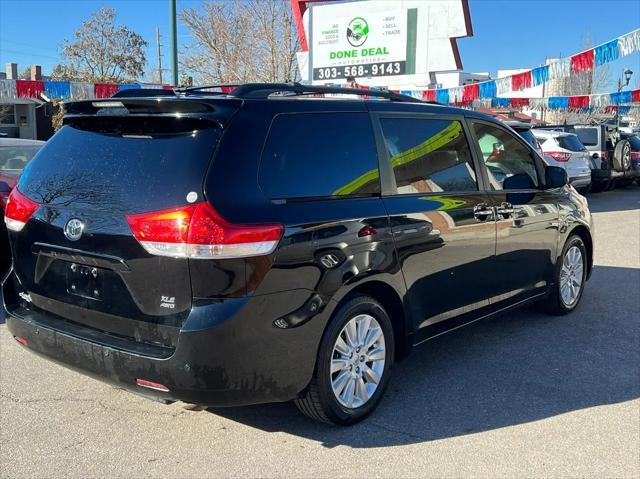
168	302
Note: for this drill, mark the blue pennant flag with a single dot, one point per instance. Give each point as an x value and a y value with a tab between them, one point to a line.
540	75
606	53
558	102
621	97
128	86
442	96
487	89
500	102
57	90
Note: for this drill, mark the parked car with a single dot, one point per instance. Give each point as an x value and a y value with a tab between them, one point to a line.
634	143
15	153
269	245
611	154
567	151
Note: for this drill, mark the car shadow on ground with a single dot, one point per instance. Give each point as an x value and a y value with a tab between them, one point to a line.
517	368
620	199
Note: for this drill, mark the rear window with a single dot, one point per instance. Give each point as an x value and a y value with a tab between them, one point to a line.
588	136
571	143
316	155
119	172
14	158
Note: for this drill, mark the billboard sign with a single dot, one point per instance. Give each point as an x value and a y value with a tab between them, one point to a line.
382	42
361	45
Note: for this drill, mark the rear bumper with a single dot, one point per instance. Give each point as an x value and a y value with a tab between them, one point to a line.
582	180
233	355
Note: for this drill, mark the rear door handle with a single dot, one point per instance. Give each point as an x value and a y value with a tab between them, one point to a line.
505	209
482	212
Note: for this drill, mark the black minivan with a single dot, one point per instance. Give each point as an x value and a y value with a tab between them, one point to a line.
270	244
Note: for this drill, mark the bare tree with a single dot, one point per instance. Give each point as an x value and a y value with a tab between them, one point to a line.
102	51
238	42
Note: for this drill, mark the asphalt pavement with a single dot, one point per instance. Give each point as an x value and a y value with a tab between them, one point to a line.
523	395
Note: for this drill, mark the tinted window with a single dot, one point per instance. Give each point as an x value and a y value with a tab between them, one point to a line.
121	173
588	136
320	155
429	155
571	143
509	163
15	158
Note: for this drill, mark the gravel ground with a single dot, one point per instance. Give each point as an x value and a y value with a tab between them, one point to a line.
519	395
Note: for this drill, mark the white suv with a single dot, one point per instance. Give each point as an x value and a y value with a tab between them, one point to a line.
567	151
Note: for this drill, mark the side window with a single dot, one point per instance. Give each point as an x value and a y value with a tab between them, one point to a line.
429	155
320	155
510	165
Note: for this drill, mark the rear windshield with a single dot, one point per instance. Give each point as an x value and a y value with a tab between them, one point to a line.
571	143
14	158
117	172
588	136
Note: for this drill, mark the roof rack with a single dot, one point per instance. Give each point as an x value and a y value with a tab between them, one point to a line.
265	90
189	89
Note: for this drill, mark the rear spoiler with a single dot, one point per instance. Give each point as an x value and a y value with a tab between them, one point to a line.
145	116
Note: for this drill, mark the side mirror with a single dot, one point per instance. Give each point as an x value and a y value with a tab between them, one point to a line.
555	177
595	156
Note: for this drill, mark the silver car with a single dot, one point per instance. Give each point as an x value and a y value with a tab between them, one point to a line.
567	151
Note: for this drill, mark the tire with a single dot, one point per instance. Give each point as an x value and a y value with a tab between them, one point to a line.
598	187
585	190
622	156
611	185
558	303
319	401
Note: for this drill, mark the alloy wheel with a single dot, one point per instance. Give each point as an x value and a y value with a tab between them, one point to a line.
357	361
571	276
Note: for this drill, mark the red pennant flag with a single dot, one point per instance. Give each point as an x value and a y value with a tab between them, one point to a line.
582	61
470	92
520	81
519	102
429	95
167	87
227	89
635	96
29	88
105	90
581	101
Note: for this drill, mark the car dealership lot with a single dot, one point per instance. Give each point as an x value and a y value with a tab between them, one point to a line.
524	394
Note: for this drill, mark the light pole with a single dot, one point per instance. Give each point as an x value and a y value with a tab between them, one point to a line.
173	34
627	78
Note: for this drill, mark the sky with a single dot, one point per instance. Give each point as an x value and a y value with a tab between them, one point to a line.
508	34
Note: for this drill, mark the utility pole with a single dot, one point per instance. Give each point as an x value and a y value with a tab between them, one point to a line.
159	54
173	33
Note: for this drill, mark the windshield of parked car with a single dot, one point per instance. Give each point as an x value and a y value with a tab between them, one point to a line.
571	143
15	158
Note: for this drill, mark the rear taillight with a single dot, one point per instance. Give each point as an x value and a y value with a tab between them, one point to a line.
558	156
198	231
18	210
635	155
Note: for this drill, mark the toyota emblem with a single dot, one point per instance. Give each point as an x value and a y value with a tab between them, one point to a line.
73	229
